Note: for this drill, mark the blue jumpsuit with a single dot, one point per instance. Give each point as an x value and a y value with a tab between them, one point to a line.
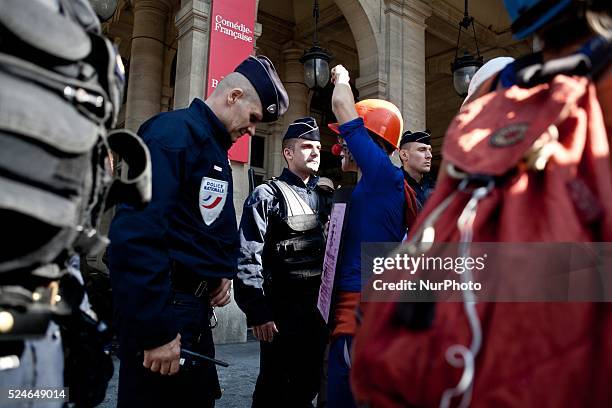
376	214
160	255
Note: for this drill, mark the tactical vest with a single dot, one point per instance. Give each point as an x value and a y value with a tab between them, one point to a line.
62	88
295	244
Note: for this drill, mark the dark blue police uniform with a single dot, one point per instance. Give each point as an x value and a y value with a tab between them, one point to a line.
279	274
425	187
422	189
165	259
159	256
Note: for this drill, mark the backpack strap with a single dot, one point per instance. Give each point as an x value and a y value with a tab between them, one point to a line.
590	60
411	206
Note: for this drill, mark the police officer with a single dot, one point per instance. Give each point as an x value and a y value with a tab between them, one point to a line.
279	272
171	262
415	155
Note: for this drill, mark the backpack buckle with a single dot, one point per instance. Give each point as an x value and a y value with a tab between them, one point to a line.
482	183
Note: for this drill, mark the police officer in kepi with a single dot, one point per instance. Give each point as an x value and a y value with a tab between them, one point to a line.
415	155
172	262
279	272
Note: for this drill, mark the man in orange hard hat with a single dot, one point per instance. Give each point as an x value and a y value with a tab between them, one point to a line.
369	133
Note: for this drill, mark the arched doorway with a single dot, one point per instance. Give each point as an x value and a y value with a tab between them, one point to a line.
287	28
320	109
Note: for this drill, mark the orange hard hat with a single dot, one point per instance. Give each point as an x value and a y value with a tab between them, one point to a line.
380	117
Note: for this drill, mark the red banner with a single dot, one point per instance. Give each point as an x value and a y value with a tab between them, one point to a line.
232	37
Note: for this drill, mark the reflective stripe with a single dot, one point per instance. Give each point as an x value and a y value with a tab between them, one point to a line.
347	354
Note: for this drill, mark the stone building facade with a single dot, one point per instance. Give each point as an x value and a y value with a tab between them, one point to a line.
399	50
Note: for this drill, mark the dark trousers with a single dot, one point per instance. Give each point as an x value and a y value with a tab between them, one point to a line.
195	387
339	393
290	367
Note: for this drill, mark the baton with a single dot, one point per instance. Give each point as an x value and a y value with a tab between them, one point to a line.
203	357
251	177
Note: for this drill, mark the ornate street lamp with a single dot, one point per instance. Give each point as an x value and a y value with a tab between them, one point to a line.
316	59
464	67
104	8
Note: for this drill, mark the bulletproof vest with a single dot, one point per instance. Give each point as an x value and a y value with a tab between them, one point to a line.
61	88
295	244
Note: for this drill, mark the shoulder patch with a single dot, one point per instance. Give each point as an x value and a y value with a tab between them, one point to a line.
212	197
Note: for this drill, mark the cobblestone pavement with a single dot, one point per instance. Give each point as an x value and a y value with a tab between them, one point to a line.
237	381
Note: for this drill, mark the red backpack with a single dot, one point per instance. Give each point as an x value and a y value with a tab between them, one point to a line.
547	148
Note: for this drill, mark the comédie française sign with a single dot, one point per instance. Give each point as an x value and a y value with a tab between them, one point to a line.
232	24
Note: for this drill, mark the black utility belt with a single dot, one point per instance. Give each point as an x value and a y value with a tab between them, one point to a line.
190	283
296	276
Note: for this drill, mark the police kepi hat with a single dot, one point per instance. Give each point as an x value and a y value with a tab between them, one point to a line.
272	94
421	137
303	128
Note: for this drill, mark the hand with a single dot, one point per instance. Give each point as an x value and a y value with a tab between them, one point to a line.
326	228
343	102
265	332
340	75
222	295
164	359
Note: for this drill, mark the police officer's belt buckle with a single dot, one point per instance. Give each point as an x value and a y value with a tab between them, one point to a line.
201	290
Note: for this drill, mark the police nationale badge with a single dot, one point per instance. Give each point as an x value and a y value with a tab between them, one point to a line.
213	193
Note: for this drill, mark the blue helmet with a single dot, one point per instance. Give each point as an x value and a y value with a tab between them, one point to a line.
529	16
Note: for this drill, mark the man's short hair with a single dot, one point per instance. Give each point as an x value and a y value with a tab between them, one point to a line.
289	144
236	80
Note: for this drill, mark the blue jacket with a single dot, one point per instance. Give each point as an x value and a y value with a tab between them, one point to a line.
376	212
189	225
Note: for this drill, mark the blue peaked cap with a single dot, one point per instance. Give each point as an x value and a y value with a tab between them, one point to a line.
303	128
261	74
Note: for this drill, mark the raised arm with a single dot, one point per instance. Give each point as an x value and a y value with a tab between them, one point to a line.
343	102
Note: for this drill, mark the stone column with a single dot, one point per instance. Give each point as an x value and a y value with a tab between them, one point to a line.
232	326
256	34
146	62
293	79
192	23
373	86
276	162
405	58
292	74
